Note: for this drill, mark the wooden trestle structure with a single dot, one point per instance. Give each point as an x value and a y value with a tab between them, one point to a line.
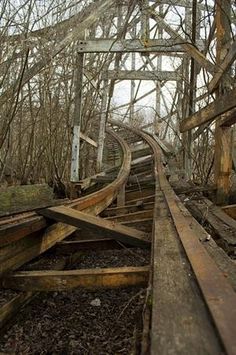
132	201
186	283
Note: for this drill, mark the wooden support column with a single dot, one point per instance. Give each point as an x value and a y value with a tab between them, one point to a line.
192	23
158	86
223	135
187	137
77	118
102	128
132	84
145	28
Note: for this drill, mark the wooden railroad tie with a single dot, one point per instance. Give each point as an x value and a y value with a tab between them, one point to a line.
85	278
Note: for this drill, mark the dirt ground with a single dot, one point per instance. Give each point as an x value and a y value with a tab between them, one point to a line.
80	321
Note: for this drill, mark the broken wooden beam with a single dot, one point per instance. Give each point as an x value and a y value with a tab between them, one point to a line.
102	227
69	279
210	112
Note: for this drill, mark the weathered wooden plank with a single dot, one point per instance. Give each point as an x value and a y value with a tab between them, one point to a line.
86	278
142	75
146	195
10	309
25	250
103	228
230	210
210	112
222	260
140	152
176	326
24	198
72	246
129	217
223	229
130	208
101	45
88	140
12	232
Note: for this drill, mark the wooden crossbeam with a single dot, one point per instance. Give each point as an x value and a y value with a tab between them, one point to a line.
138	206
103	228
101	45
73	246
142	75
12	307
85	278
88	140
132	216
188	47
91	14
224	66
210	112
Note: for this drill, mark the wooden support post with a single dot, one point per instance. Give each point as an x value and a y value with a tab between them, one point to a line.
145	28
158	86
223	135
192	23
77	118
132	83
102	128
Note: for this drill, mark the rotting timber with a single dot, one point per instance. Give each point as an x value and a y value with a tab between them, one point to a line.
181	298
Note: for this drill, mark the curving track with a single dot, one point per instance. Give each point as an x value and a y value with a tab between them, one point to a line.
190	304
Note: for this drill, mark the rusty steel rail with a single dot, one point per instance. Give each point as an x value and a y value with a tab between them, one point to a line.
217	291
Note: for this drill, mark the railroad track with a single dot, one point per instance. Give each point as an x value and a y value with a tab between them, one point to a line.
186	302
